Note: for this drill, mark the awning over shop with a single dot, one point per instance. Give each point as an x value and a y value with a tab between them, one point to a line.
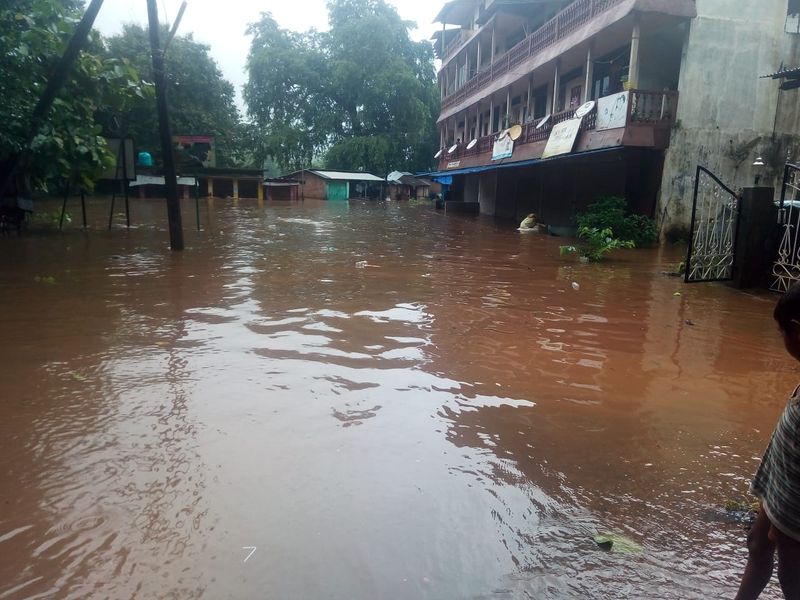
440	175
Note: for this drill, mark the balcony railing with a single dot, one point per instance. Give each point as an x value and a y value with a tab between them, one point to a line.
656	109
568	20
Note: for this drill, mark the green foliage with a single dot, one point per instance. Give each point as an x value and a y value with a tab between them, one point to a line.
201	100
362	95
741	506
596	244
611	212
69	145
617	544
48	218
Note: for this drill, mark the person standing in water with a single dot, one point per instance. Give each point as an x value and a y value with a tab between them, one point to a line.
777	484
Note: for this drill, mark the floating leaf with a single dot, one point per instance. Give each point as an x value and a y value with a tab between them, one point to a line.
617	544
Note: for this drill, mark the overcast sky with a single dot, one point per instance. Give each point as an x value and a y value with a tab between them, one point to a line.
222	25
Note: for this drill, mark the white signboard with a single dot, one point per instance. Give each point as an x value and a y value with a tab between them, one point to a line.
503	148
156	180
612	111
562	138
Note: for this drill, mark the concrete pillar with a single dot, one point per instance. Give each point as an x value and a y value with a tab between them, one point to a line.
210	187
260	191
587	88
757	242
529	105
633	71
487	192
235	189
479	54
494	27
508	107
491	115
479	123
556	89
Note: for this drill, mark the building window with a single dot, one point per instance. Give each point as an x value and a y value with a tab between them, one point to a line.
575	96
610	72
793	17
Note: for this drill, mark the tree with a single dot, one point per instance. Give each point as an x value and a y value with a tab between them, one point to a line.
69	145
286	94
362	95
201	100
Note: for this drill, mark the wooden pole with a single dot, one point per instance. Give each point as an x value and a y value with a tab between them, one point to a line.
125	184
111	210
197	200
170	178
64	208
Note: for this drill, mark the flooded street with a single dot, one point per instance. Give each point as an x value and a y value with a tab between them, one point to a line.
259	417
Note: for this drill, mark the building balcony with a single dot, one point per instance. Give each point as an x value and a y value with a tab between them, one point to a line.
462	37
578	23
648	124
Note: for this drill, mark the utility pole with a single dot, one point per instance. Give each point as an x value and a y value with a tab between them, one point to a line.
170	178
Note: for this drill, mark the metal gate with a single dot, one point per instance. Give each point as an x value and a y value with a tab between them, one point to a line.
786	270
715	226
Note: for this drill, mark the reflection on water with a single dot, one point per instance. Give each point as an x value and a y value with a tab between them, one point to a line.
455	420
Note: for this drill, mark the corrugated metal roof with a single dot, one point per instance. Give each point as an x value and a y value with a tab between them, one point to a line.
405	178
347	176
437	175
459	6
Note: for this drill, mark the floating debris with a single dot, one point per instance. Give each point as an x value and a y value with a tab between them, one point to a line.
362	264
617	544
576	286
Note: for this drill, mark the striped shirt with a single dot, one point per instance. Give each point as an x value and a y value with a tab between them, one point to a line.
777	482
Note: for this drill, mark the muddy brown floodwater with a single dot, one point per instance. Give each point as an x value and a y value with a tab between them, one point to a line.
260	418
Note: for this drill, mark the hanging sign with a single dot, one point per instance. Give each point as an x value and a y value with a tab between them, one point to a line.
200	147
562	138
503	147
612	111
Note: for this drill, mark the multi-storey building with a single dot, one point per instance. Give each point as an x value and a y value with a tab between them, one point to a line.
674	83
